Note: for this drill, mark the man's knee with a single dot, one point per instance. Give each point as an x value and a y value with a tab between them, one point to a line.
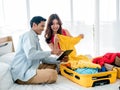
53	76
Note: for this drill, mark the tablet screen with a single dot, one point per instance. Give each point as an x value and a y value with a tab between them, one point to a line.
65	53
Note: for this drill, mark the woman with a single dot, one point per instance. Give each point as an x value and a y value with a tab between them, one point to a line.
54	26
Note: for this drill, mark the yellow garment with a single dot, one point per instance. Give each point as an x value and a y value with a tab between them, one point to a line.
83	64
76	61
67	43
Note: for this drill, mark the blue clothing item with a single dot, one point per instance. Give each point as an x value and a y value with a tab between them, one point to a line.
28	56
86	70
103	69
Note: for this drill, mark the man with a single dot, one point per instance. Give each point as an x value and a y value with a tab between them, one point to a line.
27	66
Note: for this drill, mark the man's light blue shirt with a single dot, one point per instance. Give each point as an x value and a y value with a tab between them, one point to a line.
28	57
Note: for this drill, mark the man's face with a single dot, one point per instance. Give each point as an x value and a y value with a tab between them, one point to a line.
39	28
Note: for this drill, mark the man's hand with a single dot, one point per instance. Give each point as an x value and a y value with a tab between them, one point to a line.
65	59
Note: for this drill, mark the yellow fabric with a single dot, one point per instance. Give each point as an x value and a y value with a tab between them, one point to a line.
76	61
83	64
67	43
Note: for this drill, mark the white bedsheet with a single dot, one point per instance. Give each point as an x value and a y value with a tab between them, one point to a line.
65	84
62	83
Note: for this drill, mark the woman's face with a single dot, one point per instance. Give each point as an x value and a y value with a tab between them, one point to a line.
55	26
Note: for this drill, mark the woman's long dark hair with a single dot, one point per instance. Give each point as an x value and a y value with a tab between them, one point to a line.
49	31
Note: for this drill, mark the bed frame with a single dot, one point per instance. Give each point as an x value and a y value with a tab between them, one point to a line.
6	39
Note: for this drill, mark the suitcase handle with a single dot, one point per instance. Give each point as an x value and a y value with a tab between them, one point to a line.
71	74
106	76
100	82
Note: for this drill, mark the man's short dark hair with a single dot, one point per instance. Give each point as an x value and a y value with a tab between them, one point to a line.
36	20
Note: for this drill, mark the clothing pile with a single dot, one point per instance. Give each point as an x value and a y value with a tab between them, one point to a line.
80	62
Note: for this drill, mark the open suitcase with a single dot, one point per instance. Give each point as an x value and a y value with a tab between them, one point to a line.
89	80
118	72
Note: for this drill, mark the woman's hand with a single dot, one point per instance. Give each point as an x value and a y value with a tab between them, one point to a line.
81	35
56	39
55	46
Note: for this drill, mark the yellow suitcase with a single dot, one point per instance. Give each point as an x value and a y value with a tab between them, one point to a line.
118	72
89	80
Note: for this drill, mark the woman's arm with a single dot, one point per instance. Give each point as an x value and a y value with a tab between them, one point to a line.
68	34
54	47
54	44
51	46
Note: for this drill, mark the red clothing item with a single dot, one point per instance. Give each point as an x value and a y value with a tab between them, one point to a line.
52	39
107	58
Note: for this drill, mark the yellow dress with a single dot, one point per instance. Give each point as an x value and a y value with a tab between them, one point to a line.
67	43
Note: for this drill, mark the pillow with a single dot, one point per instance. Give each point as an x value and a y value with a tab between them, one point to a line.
5	76
5	47
7	58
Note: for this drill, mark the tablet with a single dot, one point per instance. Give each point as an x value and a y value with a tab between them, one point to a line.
65	53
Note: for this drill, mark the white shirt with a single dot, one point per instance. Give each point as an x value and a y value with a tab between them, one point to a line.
28	57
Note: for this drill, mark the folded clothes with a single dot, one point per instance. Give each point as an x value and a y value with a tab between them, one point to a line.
103	69
83	64
108	67
86	70
117	61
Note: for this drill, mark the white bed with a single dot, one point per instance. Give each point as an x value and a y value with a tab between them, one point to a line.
6	82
